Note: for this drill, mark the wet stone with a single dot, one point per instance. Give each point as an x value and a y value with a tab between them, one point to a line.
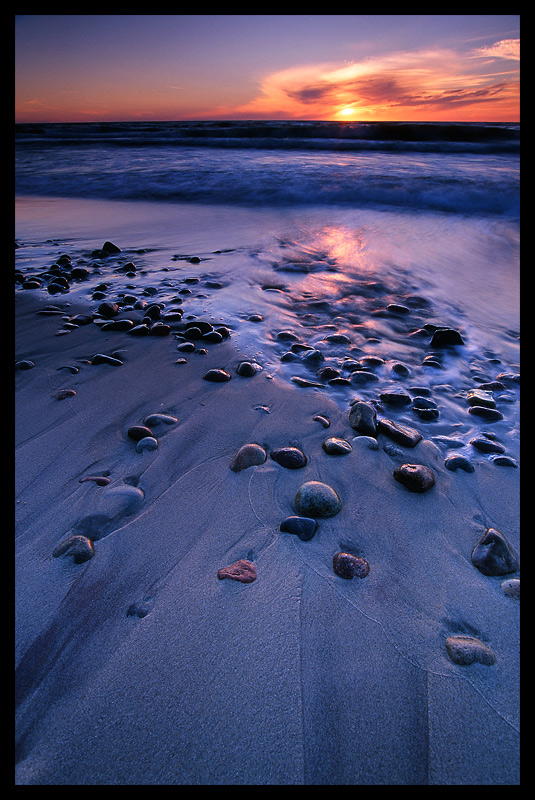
504	461
466	650
63	394
488	414
456	462
102	358
336	447
138	432
217	376
415	477
363	418
480	397
446	337
487	445
317	499
247	369
79	547
493	555
249	455
108	309
24	364
395	398
243	571
511	588
157	419
146	444
348	566
402	434
303	527
289	457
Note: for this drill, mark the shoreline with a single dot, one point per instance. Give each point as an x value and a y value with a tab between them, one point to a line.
300	677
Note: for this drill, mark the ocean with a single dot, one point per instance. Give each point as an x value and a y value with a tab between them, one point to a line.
295	222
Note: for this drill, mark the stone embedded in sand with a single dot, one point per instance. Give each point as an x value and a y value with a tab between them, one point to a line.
156	419
511	588
445	337
249	455
415	477
456	462
146	444
348	566
79	547
243	571
336	447
304	527
64	393
395	397
100	480
466	650
108	309
493	555
247	369
488	414
322	420
485	445
289	457
24	364
317	499
363	418
102	358
137	432
402	434
217	376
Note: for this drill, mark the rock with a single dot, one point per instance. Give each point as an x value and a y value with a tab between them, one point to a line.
248	456
493	555
138	432
147	443
79	547
304	527
139	330
504	461
217	376
102	358
366	441
466	650
362	376
511	588
487	445
289	457
348	566
24	364
317	499
363	418
108	309
159	329
109	247
459	462
488	414
304	382
246	369
415	477
480	397
118	325
243	571
157	419
322	420
402	434
64	393
336	447
100	480
398	309
395	397
446	337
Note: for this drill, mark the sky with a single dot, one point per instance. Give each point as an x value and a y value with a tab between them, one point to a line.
109	67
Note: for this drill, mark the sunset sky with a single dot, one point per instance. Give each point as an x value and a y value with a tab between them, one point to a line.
77	68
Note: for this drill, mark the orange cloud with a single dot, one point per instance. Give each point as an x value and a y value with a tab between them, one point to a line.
425	85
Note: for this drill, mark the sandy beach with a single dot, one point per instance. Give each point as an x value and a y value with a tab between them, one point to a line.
138	664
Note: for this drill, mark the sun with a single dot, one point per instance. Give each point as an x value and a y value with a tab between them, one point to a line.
347	111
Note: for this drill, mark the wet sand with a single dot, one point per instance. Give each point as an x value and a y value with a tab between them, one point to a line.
142	665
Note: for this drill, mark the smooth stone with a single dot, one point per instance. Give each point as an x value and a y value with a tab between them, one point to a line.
459	462
217	376
415	477
139	330
400	369
360	376
249	455
445	337
156	419
402	434
63	394
102	358
148	443
397	308
81	319
504	461
159	329
395	398
488	414
466	650
305	383
186	347
24	364
304	527
363	418
289	457
369	441
118	325
493	555
336	447
427	414
100	480
322	420
479	397
317	499
109	247
313	356
138	432
423	402
247	369
487	445
511	588
348	566
243	571
79	547
108	309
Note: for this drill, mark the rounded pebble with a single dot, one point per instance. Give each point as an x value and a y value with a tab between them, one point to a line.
348	566
466	650
487	445
366	441
493	555
243	571
24	364
289	457
415	477
322	420
317	499
336	447
217	376
248	456
147	443
459	462
511	588
64	393
246	369
138	432
363	418
304	527
102	358
156	419
79	547
488	414
100	480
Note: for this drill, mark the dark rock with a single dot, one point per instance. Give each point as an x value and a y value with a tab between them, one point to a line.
415	477
246	369
446	337
79	547
459	462
118	325
289	457
159	329
493	555
317	499
109	247
487	445
395	397
488	414
348	566
304	527
217	376
137	432
479	397
362	376
139	330
248	456
64	393
504	461
243	571
363	418
80	273
81	319
108	309
102	358
402	434
24	364
336	447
